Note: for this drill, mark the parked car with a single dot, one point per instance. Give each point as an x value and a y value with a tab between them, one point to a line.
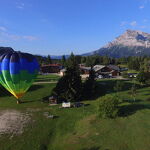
100	77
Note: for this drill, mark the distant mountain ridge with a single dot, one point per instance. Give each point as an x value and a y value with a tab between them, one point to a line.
131	43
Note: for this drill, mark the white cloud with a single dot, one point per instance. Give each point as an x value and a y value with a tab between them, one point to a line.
30	38
143	27
20	5
133	23
145	20
15	37
123	23
3	28
142	7
5	35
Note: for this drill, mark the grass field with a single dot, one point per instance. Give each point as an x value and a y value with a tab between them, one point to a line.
79	128
47	78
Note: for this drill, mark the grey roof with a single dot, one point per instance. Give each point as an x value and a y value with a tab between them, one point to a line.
63	70
113	67
98	67
85	68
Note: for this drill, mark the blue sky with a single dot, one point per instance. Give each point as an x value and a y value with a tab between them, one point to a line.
59	27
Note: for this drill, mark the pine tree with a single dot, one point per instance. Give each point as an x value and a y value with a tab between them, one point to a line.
63	60
49	60
69	87
89	89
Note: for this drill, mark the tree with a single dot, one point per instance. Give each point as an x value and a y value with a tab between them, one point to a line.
106	60
88	61
108	107
83	60
63	60
49	60
134	64
89	88
69	87
133	91
141	77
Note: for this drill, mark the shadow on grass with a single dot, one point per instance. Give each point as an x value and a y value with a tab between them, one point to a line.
146	94
92	148
148	99
23	102
43	147
107	87
35	87
132	101
4	92
128	110
45	99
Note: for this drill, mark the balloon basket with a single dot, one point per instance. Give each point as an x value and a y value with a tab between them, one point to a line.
18	102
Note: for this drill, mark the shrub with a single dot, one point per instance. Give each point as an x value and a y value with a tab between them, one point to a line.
108	107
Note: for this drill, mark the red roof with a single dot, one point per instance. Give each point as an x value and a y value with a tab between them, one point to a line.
52	65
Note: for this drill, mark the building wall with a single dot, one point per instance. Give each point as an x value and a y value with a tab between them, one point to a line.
115	73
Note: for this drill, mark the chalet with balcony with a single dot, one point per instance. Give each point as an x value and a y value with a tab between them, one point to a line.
107	71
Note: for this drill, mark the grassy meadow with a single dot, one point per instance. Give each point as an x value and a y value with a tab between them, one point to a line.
80	128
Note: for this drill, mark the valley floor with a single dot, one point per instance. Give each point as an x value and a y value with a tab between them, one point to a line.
74	128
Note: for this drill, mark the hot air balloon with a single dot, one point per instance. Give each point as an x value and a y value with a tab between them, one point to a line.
17	72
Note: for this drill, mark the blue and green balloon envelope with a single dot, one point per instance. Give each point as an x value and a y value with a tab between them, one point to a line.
17	72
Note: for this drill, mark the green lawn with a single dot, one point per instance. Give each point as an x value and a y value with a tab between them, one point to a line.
79	128
47	78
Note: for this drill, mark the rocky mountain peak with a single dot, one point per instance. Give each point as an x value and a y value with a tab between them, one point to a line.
130	43
132	38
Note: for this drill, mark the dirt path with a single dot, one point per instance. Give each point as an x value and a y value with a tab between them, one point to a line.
12	122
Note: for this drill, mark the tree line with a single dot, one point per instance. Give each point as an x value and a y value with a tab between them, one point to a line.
133	62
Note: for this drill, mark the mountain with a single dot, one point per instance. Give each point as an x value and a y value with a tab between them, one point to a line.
59	56
131	43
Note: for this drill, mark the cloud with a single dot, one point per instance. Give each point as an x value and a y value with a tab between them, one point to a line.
30	38
14	37
20	5
143	27
123	23
6	35
141	7
133	23
3	28
145	20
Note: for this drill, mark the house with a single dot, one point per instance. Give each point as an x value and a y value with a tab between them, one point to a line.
85	70
107	71
62	72
51	68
